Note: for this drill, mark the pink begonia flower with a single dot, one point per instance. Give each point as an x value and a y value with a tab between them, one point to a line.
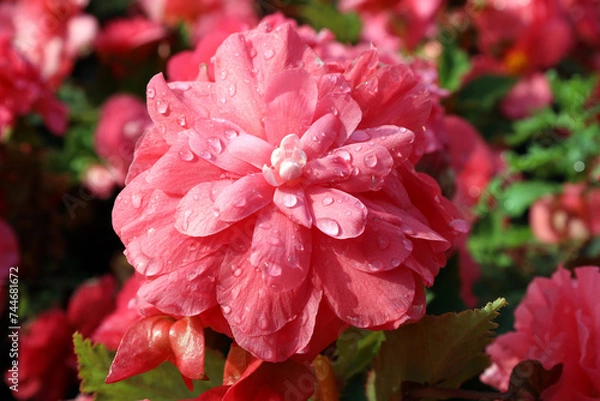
525	35
23	90
530	94
571	215
47	363
282	194
124	42
558	321
49	33
123	120
395	24
99	180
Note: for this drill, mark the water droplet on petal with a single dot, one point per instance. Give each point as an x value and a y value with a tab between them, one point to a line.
383	242
136	201
263	323
191	275
408	244
344	154
231	90
265	226
359	205
273	269
223	74
215	144
274	241
290	200
226	309
181	120
186	219
205	155
360	136
329	226
408	230
253	52
371	160
375	265
299	246
231	133
151	93
460	226
186	155
269	53
162	107
237	272
395	262
240	202
328	200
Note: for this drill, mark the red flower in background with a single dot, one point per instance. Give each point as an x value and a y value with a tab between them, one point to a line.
572	215
282	193
558	321
47	363
23	90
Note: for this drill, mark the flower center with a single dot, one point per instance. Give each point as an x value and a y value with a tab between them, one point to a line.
287	161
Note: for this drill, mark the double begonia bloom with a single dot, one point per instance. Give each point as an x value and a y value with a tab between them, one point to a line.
282	193
557	322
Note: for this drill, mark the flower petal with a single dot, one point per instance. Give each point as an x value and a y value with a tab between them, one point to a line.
291	201
397	140
358	298
196	214
336	213
281	249
345	108
227	146
243	197
148	149
320	136
290	99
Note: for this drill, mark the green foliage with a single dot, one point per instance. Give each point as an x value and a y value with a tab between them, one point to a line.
346	27
104	9
356	348
161	384
452	66
442	351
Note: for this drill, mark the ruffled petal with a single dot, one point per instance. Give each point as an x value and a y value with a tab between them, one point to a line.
282	249
291	201
227	146
336	213
320	136
243	197
397	140
196	214
290	99
345	108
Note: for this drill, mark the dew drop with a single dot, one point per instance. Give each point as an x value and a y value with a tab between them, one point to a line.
215	144
299	246
408	230
328	200
240	202
162	107
254	71
151	93
395	262
383	242
136	201
268	54
273	269
237	272
181	120
359	205
344	154
226	309
290	200
329	226
370	160
231	133
205	155
223	74
231	90
264	225
274	241
253	52
408	245
186	220
460	226
375	265
338	172
191	275
360	136
223	100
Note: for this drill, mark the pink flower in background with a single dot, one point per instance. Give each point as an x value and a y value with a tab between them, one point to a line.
23	91
50	34
557	321
123	120
47	363
124	43
395	24
572	215
281	193
530	94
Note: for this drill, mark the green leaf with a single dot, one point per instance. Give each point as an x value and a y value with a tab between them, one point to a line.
453	65
161	384
346	27
356	348
441	351
520	195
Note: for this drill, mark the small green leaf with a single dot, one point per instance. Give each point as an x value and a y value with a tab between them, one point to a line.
520	195
346	27
453	65
441	351
356	348
161	384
